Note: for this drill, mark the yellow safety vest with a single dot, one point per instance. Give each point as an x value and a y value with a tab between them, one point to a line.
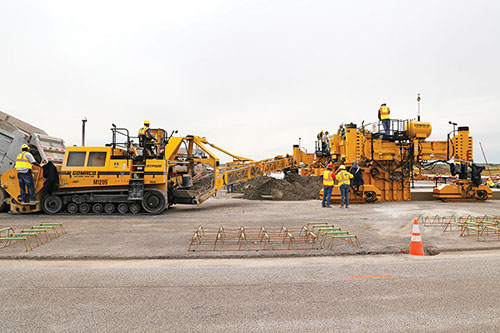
327	178
22	161
343	177
490	183
384	112
143	130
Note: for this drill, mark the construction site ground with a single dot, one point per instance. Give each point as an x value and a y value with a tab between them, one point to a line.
382	228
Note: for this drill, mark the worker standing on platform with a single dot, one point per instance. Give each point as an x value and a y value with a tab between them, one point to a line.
341	131
344	181
384	115
326	140
319	142
327	186
24	166
146	138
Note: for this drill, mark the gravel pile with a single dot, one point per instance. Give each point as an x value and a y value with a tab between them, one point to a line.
292	188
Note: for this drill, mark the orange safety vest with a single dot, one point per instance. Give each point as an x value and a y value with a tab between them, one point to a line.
343	177
22	161
384	112
327	178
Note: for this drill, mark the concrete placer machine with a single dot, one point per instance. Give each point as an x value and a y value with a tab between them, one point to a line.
388	162
119	177
122	177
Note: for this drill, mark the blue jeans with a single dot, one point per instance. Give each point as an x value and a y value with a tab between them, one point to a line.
327	195
344	194
387	126
26	180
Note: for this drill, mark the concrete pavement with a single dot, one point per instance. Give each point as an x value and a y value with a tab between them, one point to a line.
452	292
383	227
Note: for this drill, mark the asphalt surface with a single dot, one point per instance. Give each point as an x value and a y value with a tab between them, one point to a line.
452	292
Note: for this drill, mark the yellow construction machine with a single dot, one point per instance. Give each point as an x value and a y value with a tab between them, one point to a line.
121	176
387	161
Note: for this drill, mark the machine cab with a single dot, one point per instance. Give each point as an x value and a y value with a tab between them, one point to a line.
95	166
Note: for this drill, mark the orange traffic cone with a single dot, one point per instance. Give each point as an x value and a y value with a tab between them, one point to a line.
416	246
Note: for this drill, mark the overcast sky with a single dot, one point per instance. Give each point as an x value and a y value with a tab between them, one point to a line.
251	76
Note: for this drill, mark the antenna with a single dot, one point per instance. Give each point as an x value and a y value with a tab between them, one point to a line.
84	120
418	102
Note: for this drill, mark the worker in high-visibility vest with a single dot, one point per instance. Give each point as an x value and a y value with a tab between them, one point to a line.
24	166
341	131
490	183
327	186
146	138
344	181
384	116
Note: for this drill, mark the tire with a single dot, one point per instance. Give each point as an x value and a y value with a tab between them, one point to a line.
3	196
153	201
52	204
84	208
370	196
72	208
482	195
98	208
122	208
134	208
109	208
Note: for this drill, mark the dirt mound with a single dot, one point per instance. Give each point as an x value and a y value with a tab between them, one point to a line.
291	188
203	180
250	185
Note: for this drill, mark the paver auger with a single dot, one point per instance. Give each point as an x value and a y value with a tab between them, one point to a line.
120	177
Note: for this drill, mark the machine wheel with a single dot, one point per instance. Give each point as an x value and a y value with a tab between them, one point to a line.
370	196
134	208
482	195
153	201
3	196
97	208
52	204
72	208
109	208
122	208
84	208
